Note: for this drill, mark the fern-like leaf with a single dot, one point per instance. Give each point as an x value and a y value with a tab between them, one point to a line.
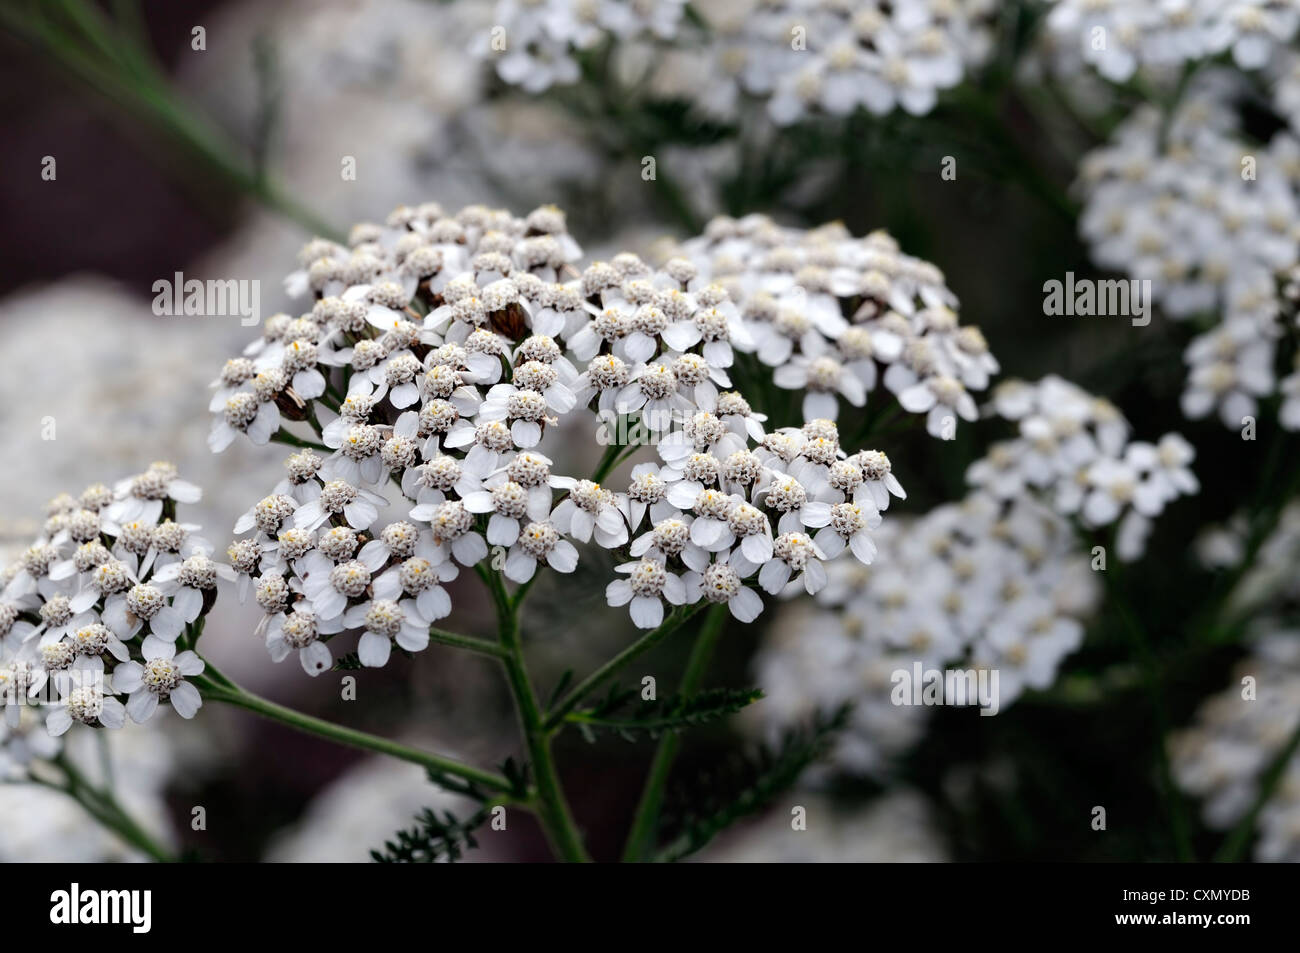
652	719
433	840
347	663
743	786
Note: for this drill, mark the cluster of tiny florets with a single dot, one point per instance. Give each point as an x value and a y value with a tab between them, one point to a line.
973	586
105	603
834	315
433	403
799	58
1075	451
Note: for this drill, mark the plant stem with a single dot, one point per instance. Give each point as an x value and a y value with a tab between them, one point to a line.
350	736
1155	689
104	807
467	642
640	838
608	460
283	436
115	66
551	807
618	663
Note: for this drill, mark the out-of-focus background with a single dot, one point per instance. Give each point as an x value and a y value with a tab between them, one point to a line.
237	162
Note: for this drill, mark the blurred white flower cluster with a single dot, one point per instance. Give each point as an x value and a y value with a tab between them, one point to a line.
827	310
1270	580
54	828
359	810
1118	38
799	57
1184	200
896	828
979	584
441	349
104	603
1075	451
1237	736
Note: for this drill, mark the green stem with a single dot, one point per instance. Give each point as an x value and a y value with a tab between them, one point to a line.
283	436
618	663
467	642
350	736
608	460
104	807
1155	689
116	66
640	838
551	807
1227	613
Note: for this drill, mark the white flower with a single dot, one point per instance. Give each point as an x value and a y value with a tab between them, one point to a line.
268	514
796	558
539	541
431	481
525	410
244	413
719	583
359	506
386	621
160	678
653	392
604	379
451	524
1114	485
1230	368
943	399
590	511
1168	467
329	587
788	496
420	578
508	502
143	604
717	326
535	63
823	378
141	497
357	459
648	585
671	538
847	524
647	492
487	442
86	700
300	631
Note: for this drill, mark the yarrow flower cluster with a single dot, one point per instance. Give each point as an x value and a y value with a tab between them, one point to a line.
1184	201
799	58
1237	736
438	353
976	585
1074	451
1118	38
829	311
103	605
